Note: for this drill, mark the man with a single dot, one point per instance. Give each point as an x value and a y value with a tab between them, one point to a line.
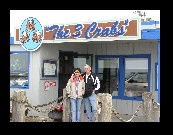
92	85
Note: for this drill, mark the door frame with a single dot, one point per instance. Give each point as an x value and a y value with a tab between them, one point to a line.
87	55
75	54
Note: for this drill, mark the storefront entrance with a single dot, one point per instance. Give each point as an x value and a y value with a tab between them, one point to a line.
68	60
108	71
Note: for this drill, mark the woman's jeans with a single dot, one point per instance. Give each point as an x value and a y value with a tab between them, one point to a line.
76	109
91	101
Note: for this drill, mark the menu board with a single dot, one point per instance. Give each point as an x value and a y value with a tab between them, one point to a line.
49	68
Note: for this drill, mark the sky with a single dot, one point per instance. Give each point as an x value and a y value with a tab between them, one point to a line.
49	17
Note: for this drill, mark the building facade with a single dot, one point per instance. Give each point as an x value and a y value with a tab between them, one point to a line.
126	67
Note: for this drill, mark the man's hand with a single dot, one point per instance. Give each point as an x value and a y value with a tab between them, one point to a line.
94	91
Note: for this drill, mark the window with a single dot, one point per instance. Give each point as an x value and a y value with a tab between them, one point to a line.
108	75
124	76
137	82
19	69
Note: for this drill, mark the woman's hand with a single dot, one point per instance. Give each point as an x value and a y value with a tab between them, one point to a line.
71	78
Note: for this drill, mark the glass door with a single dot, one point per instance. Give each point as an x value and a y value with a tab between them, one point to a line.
108	69
81	59
68	60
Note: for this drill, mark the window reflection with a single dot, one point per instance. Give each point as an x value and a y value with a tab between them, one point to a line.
19	61
18	69
79	63
136	76
19	79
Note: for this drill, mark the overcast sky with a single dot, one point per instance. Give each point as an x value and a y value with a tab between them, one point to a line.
48	17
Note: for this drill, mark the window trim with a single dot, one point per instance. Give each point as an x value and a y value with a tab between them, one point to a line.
156	76
22	87
122	73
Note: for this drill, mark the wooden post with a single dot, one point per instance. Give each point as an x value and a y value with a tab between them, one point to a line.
66	108
18	109
105	101
150	111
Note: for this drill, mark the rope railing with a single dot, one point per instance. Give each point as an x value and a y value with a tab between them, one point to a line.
99	107
36	108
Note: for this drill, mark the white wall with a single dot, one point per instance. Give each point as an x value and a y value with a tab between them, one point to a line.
33	92
37	94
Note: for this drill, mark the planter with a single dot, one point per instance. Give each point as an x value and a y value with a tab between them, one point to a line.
56	115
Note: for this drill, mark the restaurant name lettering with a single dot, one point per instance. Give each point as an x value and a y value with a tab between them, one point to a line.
92	31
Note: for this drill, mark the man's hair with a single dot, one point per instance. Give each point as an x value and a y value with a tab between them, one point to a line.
87	65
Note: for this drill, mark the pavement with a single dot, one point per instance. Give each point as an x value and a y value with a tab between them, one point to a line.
126	118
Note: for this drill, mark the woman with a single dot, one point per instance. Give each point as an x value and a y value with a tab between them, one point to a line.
75	90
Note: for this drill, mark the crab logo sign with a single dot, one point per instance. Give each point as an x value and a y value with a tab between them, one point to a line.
52	83
31	34
46	85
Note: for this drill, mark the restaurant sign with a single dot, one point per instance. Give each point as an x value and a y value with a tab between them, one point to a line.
120	29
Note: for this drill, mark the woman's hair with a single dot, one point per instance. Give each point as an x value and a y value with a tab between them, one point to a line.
77	69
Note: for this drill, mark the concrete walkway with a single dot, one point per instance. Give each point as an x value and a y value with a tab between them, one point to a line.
128	117
124	117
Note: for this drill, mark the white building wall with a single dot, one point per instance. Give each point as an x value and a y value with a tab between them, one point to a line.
33	92
129	48
15	48
51	51
36	93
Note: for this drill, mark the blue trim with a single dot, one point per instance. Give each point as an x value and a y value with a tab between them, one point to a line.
149	30
128	98
121	72
150	34
65	51
22	87
18	52
19	71
150	23
121	79
156	76
159	71
128	56
11	40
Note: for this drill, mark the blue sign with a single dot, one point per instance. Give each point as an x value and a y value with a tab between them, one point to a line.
31	34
